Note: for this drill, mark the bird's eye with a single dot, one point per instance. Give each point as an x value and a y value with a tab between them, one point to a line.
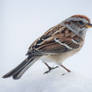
81	22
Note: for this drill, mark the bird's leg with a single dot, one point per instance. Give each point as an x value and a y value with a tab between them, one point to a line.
49	68
65	68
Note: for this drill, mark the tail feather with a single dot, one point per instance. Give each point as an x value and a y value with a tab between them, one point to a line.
17	72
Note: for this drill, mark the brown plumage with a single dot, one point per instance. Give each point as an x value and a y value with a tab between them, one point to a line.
82	16
57	44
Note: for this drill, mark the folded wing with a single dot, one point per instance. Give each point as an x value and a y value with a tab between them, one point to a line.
56	40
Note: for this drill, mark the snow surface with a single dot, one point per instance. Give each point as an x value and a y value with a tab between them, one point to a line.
35	81
21	22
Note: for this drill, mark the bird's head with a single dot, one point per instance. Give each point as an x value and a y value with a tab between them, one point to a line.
77	23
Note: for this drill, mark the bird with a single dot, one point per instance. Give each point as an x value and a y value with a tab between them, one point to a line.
56	44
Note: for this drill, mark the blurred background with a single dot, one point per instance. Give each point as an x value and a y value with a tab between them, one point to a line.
21	22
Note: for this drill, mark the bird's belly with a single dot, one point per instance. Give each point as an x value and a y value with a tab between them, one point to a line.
59	58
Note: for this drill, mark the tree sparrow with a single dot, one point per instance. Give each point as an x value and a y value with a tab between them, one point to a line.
57	44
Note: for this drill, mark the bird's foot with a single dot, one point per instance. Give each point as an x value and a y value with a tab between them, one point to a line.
50	69
65	68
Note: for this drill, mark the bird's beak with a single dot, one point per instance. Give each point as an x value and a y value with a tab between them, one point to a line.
89	25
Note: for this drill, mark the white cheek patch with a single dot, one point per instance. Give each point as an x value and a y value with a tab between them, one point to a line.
63	44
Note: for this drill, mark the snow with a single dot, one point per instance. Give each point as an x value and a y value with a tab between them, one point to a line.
35	81
21	22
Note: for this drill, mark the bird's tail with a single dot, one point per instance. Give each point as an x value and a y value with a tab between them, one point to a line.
17	72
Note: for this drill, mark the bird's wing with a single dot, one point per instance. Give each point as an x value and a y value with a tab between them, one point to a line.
58	39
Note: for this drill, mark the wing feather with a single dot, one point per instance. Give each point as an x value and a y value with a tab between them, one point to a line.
66	41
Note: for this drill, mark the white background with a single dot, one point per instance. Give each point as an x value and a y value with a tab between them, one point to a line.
21	22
